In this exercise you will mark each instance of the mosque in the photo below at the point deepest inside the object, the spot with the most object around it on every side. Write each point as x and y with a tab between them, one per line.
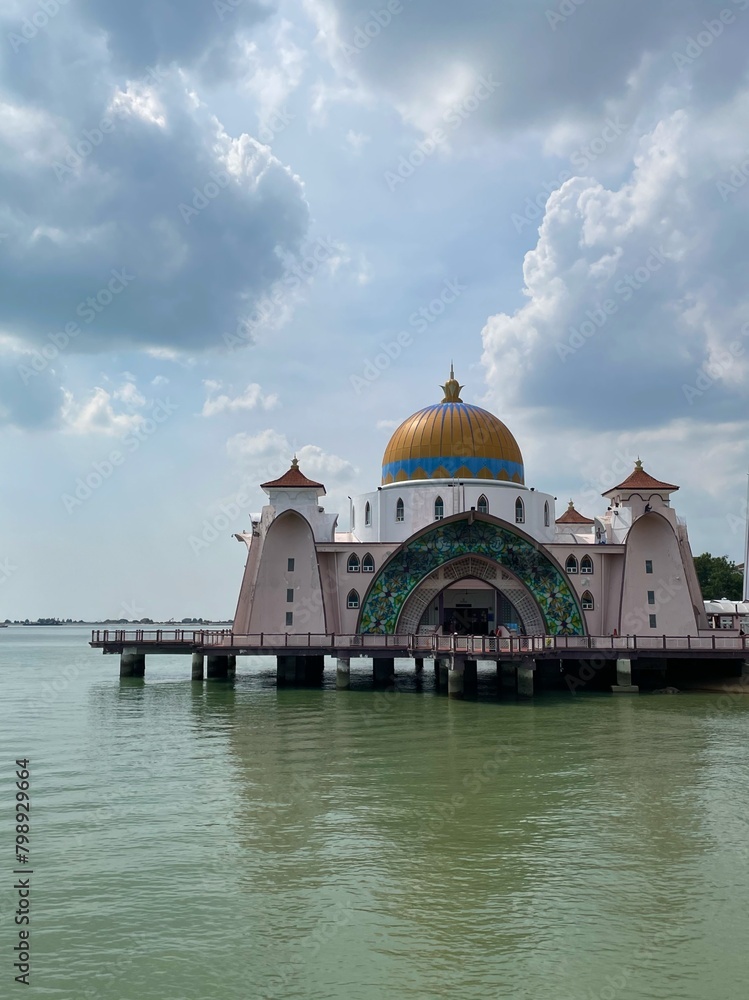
453	541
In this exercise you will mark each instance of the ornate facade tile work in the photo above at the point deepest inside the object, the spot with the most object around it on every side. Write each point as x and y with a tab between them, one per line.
419	557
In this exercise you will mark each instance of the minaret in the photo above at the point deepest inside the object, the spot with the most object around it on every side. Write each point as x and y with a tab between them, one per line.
746	546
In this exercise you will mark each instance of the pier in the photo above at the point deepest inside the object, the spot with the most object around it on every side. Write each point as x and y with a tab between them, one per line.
524	664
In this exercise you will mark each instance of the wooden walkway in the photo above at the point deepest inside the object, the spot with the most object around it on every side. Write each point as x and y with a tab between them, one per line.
224	642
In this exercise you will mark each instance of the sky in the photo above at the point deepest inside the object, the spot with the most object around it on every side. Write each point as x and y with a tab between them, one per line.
232	231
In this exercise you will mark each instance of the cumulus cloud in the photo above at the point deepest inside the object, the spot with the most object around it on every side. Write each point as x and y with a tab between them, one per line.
220	402
624	290
98	413
141	220
267	455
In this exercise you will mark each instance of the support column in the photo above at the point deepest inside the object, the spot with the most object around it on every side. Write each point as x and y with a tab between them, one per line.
471	677
217	668
285	670
198	666
132	664
383	671
343	673
419	664
526	669
456	679
442	670
313	668
624	683
506	678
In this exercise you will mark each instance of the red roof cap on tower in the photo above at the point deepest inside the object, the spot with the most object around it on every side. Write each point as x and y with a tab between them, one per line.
572	516
293	479
640	480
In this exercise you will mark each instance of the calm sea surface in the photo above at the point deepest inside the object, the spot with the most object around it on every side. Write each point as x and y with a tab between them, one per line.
213	842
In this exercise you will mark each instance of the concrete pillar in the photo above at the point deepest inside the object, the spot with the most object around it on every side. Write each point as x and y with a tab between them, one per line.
285	670
132	664
506	678
419	664
442	668
471	677
232	667
525	670
312	670
198	666
383	671
456	679
624	677
343	673
217	667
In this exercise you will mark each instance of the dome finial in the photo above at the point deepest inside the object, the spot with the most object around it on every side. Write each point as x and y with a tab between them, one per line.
638	464
295	462
452	388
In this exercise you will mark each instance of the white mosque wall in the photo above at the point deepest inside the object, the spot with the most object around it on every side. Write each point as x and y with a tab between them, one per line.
656	596
419	510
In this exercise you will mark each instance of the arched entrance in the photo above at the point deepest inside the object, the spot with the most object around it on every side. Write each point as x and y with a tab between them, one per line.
470	595
544	591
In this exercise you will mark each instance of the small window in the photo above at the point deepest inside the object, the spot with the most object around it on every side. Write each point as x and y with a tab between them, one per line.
519	511
400	512
586	565
588	602
547	517
648	565
289	617
367	564
651	597
483	505
367	515
653	622
571	565
290	596
353	599
290	566
353	563
439	509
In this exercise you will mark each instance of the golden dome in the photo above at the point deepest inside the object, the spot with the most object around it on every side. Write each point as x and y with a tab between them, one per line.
452	440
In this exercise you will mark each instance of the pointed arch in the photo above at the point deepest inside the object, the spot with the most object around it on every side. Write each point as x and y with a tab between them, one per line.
353	563
368	563
587	601
571	565
547	515
439	509
519	511
400	510
352	601
482	504
586	566
367	514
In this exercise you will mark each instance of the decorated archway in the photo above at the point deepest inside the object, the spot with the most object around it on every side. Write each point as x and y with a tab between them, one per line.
486	538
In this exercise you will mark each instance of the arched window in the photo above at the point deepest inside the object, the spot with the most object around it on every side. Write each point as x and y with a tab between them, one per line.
353	599
353	563
367	564
586	565
400	512
519	511
547	518
588	602
571	564
482	505
367	515
439	509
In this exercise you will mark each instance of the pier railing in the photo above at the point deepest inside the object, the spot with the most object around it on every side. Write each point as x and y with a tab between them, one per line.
415	645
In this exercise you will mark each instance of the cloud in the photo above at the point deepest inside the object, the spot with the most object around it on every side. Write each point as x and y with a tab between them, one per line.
267	455
97	414
252	398
146	224
634	280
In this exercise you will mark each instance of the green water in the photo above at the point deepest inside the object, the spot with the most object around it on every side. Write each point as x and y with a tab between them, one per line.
202	842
